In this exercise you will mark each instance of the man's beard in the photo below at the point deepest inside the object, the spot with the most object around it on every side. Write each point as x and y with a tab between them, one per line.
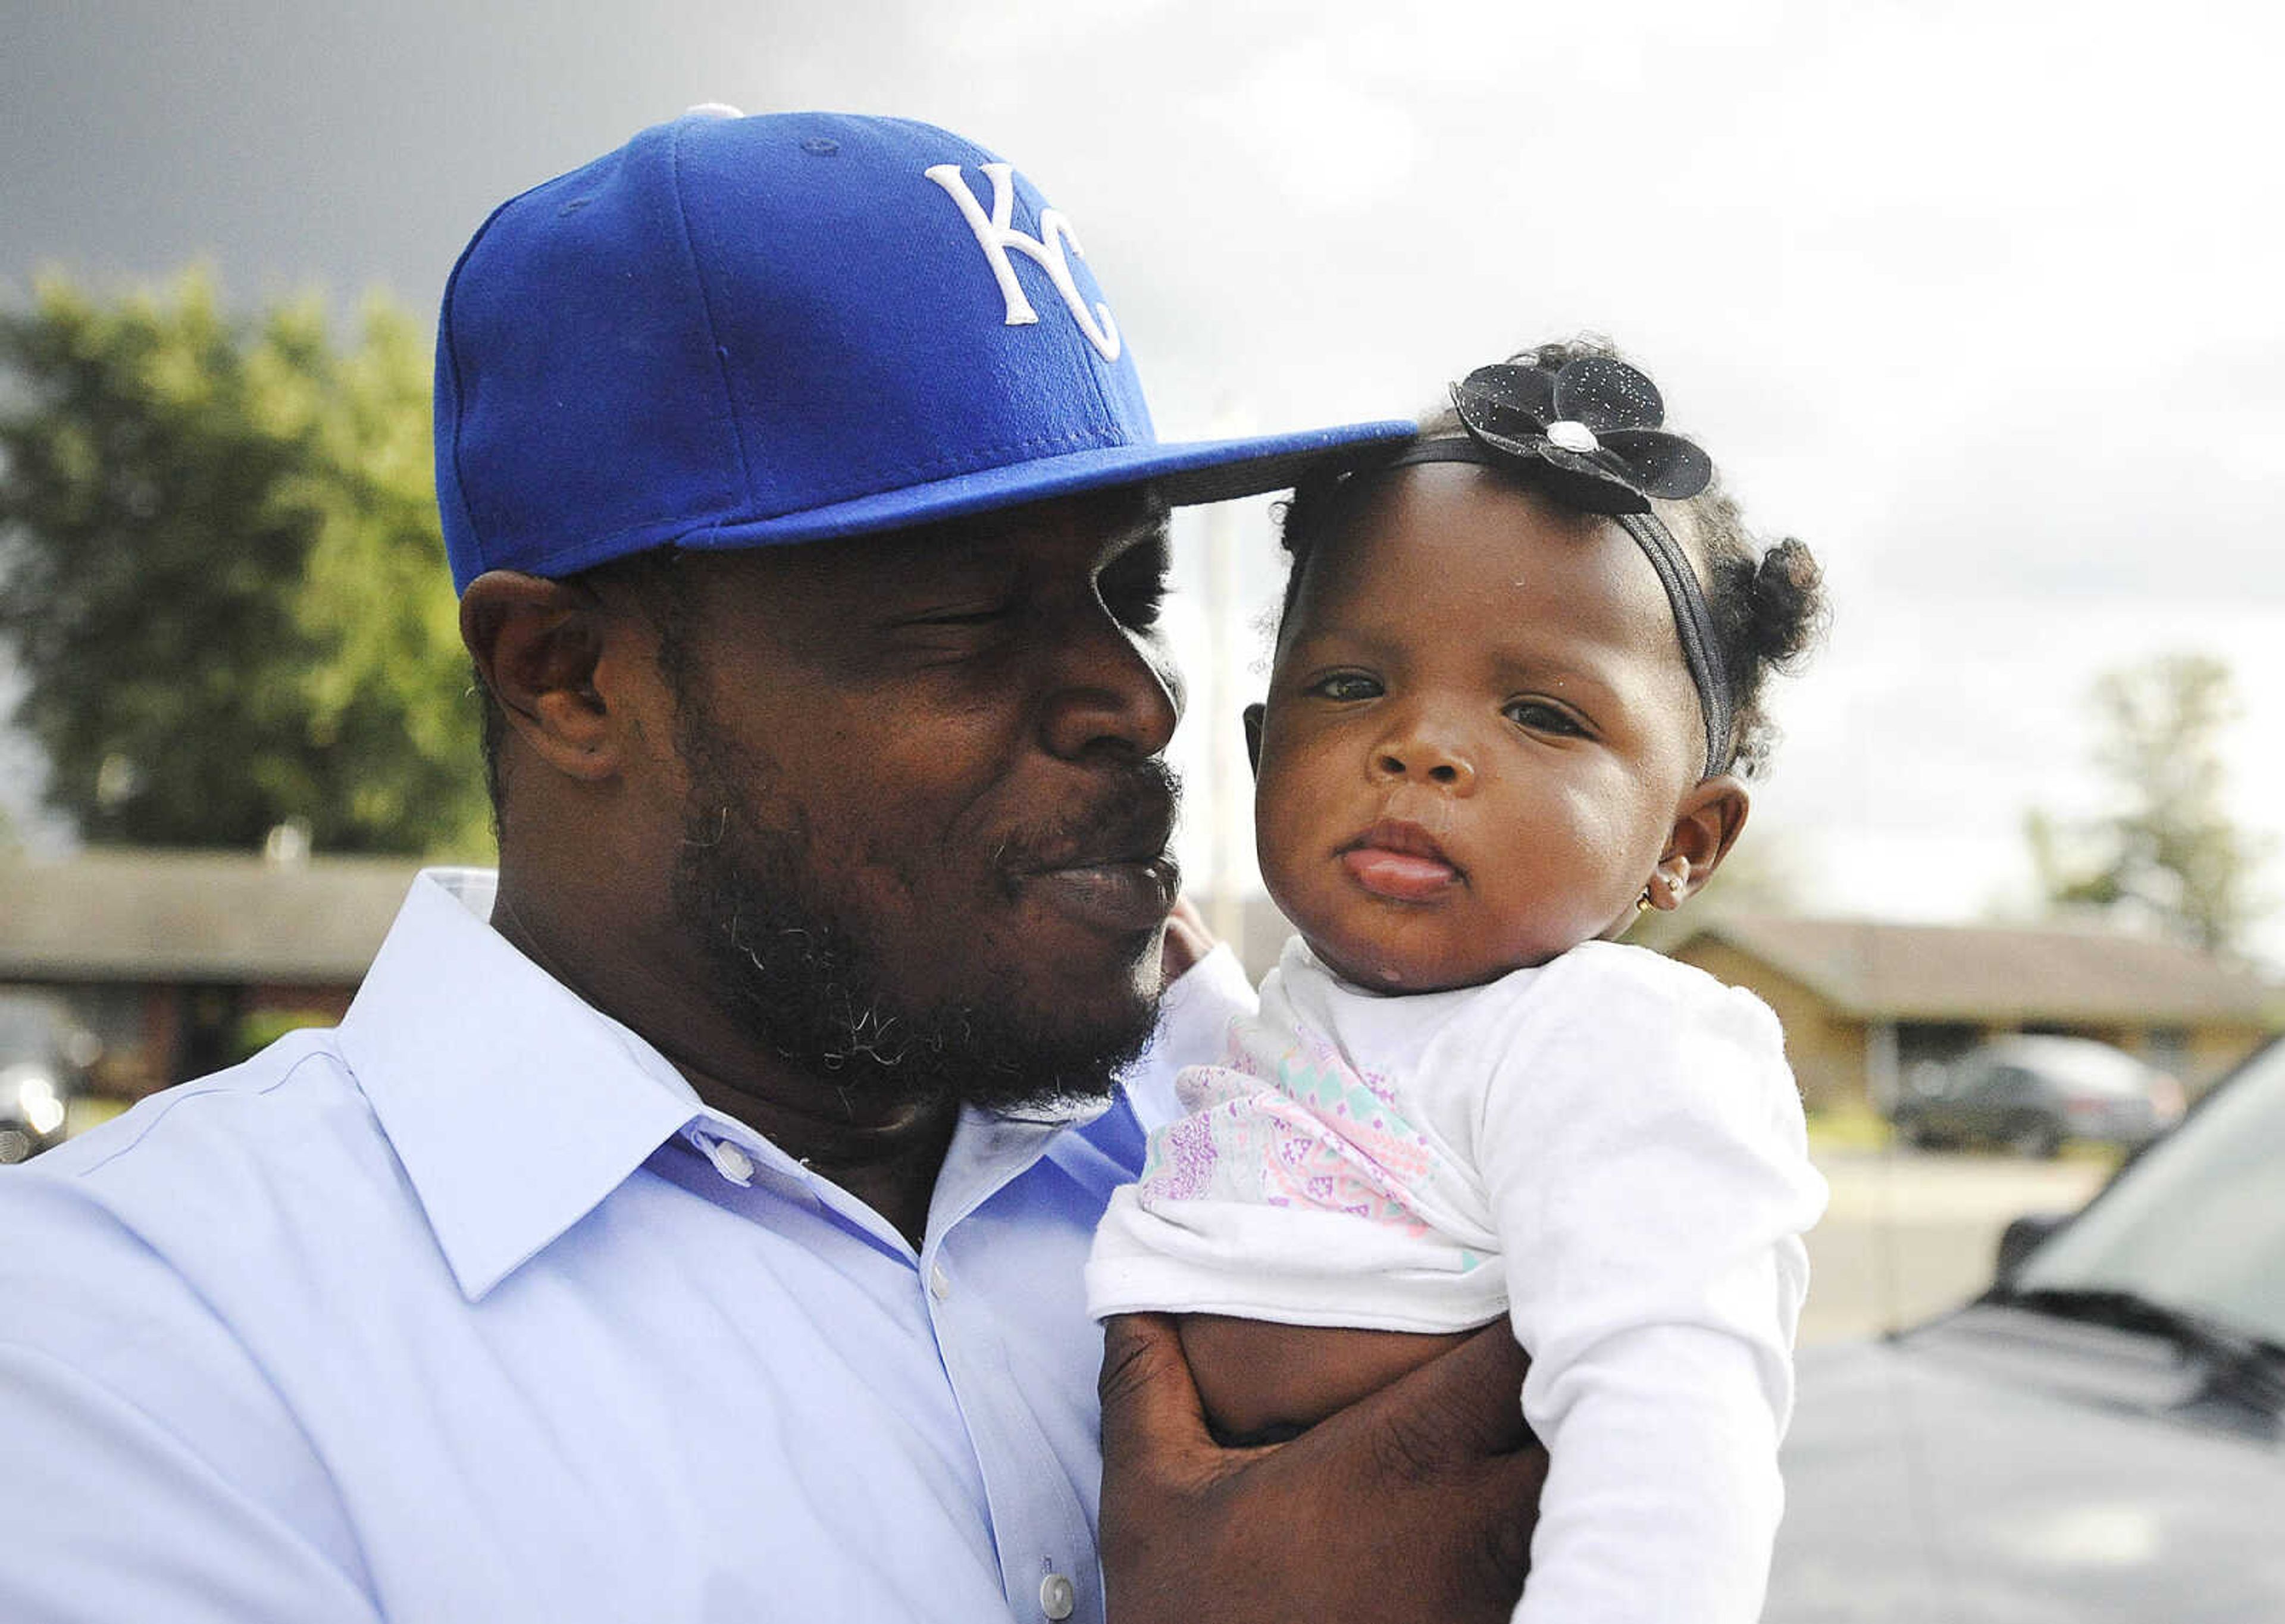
805	978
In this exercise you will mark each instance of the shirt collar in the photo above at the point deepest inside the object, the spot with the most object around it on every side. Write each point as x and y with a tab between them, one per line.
514	1106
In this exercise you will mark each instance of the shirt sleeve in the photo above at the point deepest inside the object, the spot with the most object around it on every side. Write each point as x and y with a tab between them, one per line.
147	1468
110	1516
1641	1143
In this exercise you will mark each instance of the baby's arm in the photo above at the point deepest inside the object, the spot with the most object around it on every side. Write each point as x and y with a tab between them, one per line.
1643	1146
1193	1029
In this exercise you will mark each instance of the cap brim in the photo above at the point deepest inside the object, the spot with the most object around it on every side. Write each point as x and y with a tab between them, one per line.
1182	474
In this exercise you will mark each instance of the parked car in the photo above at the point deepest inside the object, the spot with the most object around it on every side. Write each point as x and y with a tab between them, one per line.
2030	1093
2099	1436
43	1058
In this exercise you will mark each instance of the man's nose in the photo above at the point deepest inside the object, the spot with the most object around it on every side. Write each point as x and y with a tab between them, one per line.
1417	750
1112	690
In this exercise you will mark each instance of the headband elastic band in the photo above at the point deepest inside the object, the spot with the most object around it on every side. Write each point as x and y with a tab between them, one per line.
1693	619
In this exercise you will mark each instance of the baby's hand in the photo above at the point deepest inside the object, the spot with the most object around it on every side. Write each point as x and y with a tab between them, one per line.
1186	941
1417	1503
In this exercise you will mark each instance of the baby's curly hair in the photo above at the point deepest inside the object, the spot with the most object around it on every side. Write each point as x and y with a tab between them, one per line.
1769	603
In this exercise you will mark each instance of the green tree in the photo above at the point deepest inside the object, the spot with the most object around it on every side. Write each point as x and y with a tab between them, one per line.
2169	853
221	575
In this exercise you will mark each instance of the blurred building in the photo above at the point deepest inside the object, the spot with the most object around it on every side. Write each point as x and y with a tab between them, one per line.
1865	1004
181	962
178	962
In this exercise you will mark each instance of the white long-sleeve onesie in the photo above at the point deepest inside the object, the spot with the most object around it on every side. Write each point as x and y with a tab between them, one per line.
1611	1145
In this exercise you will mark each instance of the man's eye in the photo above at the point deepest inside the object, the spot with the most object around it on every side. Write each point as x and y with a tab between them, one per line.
1136	594
1540	717
1345	688
1137	607
981	615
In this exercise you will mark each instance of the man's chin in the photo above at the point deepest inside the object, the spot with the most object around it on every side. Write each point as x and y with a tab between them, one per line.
1005	1002
1101	953
1052	1021
1023	1053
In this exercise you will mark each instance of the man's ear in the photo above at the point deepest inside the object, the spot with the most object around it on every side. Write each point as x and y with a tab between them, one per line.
1706	825
1251	717
537	645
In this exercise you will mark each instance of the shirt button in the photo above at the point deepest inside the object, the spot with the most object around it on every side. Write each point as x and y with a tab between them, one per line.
1056	1596
732	1163
940	1287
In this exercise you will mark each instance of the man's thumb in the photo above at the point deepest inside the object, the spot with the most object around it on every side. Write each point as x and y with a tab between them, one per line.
1150	1403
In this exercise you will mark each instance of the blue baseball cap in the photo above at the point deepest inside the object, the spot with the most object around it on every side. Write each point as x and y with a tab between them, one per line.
739	331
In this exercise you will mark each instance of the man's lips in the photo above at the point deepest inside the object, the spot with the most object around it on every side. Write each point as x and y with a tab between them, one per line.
1119	897
1116	877
1400	861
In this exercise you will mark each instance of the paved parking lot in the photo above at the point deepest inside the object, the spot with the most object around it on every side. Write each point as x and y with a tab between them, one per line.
1911	1233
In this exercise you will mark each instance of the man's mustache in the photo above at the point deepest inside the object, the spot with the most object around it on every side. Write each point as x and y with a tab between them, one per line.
1129	819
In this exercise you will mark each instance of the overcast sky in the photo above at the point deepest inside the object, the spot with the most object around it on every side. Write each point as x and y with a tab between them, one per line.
1981	300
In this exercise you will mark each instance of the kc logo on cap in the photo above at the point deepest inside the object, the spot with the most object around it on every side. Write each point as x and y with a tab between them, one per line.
995	235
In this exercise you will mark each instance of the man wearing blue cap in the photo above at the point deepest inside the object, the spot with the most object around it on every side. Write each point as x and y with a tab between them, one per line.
688	1224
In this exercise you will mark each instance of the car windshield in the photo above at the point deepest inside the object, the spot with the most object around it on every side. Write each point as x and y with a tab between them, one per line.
2086	1068
2198	1223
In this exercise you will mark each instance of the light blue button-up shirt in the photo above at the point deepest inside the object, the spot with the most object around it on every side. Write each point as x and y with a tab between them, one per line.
470	1310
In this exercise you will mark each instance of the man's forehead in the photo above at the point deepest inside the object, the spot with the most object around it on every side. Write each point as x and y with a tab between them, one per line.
1083	532
1118	515
1097	525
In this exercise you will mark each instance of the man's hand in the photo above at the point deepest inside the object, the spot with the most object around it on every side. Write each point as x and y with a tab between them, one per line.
1417	1503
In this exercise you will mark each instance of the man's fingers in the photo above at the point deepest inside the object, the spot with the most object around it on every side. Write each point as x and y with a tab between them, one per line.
1417	1503
1150	1403
1493	1532
1463	1405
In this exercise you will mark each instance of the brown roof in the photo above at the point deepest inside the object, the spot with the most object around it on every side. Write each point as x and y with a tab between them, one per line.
1988	973
142	916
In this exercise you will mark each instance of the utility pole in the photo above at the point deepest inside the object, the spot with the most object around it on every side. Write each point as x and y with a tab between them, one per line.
1228	806
1229	790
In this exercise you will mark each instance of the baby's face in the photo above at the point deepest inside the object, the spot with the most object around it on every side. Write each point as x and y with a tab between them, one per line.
1480	729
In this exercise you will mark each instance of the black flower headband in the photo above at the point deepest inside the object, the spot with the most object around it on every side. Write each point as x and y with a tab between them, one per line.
1587	432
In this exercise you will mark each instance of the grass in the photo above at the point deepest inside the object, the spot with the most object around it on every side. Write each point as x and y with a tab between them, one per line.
1848	1127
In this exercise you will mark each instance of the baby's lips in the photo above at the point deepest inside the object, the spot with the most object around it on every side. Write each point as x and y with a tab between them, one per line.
1402	876
1405	835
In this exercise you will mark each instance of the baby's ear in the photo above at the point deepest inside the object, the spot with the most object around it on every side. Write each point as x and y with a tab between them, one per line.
1251	717
1706	825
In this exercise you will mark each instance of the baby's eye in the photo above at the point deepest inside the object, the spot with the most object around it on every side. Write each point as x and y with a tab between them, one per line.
1345	688
1541	717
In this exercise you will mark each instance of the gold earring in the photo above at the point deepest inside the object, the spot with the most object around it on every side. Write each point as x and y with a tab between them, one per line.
1672	882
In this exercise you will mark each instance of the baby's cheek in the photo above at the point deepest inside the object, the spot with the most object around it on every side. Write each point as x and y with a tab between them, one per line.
1288	817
